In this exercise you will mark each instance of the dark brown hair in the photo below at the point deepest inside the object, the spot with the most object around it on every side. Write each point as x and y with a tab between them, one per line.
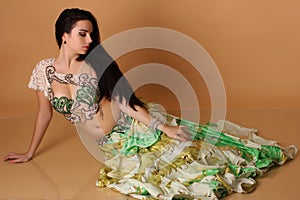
67	21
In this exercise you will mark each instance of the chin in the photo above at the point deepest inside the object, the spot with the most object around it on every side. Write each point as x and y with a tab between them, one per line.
82	53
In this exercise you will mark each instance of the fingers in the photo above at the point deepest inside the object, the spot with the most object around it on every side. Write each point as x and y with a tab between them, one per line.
183	134
8	156
186	133
11	158
180	137
15	158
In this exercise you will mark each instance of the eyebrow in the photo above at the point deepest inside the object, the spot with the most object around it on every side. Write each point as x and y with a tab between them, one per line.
84	30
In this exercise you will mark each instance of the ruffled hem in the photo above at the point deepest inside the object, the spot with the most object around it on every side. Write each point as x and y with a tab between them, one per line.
223	158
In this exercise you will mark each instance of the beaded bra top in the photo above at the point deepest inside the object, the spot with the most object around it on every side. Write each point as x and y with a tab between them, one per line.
85	98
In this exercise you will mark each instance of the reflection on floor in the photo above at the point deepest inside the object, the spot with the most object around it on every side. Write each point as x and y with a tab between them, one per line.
62	168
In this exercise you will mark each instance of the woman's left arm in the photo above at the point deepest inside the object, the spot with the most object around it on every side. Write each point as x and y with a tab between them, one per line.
143	116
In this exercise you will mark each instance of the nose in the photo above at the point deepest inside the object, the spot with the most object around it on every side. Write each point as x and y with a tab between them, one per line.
89	39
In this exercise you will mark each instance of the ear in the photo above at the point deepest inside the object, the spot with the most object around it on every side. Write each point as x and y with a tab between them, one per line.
65	36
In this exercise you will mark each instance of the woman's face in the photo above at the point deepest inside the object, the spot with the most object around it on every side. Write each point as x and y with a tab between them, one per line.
79	39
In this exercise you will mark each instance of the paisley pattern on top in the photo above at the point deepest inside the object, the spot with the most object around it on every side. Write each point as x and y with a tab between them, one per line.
84	105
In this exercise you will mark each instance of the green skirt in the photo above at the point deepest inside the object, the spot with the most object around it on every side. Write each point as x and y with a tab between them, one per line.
222	158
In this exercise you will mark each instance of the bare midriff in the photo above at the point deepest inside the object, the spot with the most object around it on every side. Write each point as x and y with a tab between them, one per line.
110	114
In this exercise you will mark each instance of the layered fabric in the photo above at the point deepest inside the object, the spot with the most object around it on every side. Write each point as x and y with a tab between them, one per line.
222	158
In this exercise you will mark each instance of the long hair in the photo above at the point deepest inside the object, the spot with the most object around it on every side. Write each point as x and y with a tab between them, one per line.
112	83
67	21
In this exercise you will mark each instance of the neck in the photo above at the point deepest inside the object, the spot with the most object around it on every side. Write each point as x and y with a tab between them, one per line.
66	58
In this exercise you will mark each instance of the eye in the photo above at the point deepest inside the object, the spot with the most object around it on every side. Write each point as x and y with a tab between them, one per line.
82	34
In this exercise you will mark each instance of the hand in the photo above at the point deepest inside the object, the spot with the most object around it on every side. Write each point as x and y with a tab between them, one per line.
178	132
17	158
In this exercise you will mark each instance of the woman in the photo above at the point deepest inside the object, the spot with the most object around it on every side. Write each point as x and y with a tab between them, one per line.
77	34
148	152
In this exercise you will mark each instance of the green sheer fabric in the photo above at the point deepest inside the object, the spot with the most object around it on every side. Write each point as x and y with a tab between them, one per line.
147	164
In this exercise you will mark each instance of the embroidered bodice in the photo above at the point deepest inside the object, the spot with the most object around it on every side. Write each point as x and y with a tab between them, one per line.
84	101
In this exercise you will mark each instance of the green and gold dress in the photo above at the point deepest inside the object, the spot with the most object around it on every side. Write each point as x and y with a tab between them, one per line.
222	158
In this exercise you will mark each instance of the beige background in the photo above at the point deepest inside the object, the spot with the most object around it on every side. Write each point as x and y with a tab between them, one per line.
255	45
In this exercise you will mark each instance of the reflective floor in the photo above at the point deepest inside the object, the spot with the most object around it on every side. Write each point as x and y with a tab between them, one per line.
63	169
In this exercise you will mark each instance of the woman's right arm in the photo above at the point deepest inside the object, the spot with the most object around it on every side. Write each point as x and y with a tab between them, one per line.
42	121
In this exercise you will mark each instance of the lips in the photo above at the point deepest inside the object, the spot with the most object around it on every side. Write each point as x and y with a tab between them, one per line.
86	47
